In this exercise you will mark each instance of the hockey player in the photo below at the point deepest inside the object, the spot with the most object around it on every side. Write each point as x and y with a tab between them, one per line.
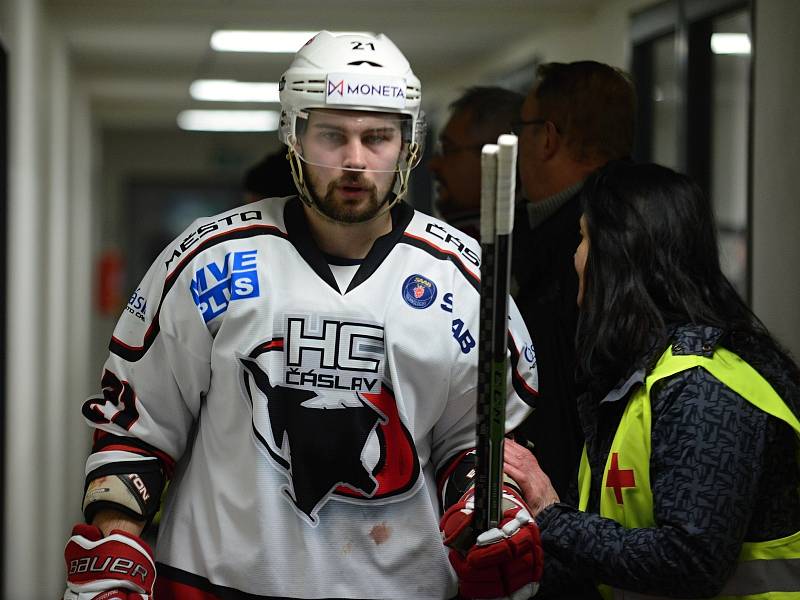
303	370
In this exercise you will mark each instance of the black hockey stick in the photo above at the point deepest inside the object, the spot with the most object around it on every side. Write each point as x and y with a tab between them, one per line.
498	182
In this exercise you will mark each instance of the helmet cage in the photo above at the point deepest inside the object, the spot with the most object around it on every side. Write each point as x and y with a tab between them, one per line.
377	132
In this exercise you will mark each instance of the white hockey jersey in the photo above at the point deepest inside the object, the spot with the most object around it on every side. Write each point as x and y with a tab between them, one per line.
306	425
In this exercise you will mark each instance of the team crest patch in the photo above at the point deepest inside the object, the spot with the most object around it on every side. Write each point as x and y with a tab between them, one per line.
419	291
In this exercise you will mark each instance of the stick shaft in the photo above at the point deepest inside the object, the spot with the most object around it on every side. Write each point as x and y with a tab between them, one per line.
485	330
493	331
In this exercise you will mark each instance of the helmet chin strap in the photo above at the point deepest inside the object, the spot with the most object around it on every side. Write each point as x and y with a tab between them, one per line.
403	175
297	174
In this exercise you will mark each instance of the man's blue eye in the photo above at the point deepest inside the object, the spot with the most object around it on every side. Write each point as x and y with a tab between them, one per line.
378	138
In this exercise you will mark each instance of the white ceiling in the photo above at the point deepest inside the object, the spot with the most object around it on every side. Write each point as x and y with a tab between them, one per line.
137	58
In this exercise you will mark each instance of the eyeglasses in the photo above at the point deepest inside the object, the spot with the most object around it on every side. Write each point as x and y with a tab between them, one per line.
518	124
445	148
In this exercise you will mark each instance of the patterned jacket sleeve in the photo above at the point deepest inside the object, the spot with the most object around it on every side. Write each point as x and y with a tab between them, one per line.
707	458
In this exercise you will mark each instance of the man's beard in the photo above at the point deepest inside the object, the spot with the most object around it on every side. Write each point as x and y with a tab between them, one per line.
343	211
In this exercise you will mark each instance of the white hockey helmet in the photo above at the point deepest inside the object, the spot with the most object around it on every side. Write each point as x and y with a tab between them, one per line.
355	73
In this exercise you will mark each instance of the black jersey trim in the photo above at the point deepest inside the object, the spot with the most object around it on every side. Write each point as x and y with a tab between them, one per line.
441	254
454	475
526	393
135	353
340	261
203	585
108	442
402	214
300	236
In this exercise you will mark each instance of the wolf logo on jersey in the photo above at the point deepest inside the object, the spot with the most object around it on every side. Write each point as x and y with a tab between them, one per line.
347	445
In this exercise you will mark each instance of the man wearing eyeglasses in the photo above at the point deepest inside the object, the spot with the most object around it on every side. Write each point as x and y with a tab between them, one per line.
478	116
577	117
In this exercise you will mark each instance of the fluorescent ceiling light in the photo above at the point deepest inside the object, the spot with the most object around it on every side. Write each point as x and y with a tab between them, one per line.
228	120
730	43
234	91
229	40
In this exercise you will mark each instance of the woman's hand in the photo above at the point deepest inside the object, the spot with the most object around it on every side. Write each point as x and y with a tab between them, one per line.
534	483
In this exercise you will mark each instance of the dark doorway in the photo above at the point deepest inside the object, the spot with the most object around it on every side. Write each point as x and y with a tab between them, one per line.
693	73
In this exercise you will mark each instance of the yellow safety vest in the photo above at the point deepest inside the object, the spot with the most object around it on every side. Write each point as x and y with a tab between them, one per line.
766	570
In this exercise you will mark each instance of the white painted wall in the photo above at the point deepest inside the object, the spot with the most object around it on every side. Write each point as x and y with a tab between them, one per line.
600	35
45	364
24	456
56	406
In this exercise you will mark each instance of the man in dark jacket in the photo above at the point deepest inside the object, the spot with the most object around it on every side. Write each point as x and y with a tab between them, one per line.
477	117
577	117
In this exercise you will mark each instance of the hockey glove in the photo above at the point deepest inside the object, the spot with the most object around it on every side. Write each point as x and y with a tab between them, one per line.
116	567
504	563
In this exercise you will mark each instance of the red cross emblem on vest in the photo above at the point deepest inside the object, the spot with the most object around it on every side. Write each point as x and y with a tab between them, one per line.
619	478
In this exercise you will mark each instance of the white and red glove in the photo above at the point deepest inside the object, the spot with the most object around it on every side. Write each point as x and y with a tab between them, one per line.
116	567
504	563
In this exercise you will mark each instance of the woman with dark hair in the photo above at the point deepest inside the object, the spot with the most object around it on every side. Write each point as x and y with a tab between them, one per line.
689	484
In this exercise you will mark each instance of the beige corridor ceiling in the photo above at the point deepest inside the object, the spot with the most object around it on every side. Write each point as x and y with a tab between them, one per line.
137	58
